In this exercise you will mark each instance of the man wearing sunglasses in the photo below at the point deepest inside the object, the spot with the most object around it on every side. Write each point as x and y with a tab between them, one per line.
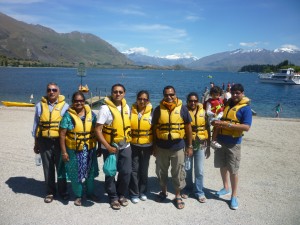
171	124
48	114
113	131
237	118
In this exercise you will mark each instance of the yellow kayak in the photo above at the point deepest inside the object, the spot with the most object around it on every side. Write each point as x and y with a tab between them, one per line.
17	104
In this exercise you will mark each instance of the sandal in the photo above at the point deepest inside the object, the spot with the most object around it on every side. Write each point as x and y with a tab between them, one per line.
48	198
161	197
202	199
77	202
123	201
185	196
115	205
179	204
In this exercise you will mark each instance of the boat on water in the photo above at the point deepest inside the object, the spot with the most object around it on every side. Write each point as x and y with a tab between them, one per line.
17	104
283	76
83	88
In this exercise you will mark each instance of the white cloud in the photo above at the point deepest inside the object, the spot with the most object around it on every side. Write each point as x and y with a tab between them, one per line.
192	18
249	44
289	46
180	56
131	10
139	50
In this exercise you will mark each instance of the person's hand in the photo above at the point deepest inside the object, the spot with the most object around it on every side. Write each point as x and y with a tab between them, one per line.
65	157
189	151
154	151
112	150
99	152
207	152
36	148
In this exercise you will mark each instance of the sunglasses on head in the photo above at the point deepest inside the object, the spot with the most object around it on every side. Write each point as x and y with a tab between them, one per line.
52	89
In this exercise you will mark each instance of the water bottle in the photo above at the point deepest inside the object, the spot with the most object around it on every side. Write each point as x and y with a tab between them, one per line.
38	159
187	163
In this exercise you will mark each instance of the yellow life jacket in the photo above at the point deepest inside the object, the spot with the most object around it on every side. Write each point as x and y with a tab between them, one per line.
199	123
49	122
170	124
82	133
229	114
119	130
141	129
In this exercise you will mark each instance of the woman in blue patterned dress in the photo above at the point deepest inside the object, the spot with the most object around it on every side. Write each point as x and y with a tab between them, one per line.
78	147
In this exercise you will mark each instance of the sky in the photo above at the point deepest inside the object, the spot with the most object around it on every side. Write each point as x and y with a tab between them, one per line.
170	28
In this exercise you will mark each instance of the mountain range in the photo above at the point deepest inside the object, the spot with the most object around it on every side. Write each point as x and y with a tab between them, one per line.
35	42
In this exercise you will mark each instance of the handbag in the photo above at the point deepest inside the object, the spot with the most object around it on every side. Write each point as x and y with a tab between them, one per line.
110	165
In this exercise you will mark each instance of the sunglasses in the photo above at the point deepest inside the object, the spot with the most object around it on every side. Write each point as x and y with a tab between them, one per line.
171	95
118	92
195	101
78	101
143	99
52	89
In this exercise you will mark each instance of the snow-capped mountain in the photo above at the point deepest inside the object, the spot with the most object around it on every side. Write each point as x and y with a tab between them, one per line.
224	61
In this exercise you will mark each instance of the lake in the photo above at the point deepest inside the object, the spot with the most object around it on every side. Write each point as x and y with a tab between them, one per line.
17	84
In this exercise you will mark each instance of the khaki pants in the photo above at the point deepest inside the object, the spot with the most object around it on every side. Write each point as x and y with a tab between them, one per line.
164	158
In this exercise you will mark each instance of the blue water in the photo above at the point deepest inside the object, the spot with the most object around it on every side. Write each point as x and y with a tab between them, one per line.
17	84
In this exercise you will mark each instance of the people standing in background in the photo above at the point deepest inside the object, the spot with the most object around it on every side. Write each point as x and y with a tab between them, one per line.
141	145
171	124
227	95
236	119
78	147
278	109
113	131
48	114
201	148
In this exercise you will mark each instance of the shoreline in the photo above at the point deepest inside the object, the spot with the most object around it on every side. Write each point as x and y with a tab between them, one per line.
269	183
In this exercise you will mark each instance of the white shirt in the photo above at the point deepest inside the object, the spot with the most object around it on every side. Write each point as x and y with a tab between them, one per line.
105	117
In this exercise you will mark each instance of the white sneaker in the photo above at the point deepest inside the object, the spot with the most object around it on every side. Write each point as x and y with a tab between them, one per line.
143	197
215	144
135	200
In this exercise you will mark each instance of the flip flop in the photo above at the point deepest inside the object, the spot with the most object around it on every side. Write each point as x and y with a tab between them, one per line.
185	196
48	198
123	201
202	199
77	202
115	205
179	204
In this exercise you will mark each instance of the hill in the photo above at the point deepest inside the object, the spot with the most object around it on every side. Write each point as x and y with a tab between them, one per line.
38	43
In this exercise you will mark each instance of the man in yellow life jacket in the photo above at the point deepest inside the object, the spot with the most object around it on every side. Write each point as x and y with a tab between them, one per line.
237	118
113	131
48	114
171	123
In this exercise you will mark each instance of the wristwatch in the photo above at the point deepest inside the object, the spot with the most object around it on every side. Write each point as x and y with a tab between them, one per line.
190	146
229	125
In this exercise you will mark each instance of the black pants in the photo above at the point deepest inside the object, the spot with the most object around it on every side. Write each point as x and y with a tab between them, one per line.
113	188
50	154
139	176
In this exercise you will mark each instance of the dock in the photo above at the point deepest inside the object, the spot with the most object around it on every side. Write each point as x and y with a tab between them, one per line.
94	100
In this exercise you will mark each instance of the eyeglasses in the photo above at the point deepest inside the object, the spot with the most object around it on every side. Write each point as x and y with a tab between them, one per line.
236	93
171	95
143	99
118	92
78	101
195	101
52	89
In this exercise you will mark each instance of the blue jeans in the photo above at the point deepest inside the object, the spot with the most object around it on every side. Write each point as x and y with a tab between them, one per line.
197	160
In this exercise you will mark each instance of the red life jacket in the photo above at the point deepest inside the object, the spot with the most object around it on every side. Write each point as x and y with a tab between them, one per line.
217	105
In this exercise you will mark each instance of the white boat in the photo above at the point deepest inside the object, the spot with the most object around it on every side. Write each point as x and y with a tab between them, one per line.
283	76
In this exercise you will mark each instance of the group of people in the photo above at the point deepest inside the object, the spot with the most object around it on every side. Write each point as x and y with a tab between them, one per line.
70	138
